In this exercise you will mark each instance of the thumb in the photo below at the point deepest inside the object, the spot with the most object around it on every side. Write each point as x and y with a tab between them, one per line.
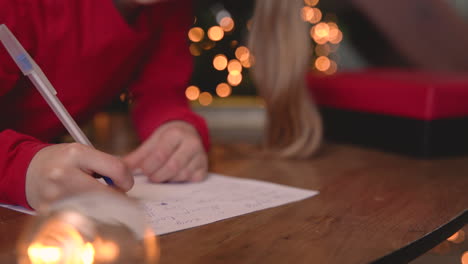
106	165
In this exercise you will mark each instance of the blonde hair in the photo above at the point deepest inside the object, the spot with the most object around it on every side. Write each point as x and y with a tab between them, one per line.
281	48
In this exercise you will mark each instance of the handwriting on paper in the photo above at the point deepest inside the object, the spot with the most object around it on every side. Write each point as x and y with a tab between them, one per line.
173	207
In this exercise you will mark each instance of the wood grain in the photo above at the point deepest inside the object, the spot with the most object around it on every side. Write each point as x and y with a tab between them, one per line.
370	203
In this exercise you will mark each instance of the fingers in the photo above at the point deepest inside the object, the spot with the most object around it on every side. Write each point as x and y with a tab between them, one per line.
173	152
195	171
153	153
89	159
174	164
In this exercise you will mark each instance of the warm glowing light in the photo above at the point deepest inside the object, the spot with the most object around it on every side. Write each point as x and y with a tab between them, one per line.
220	62
307	13
338	38
41	254
322	50
322	30
223	90
464	258
322	63
108	251
196	34
247	63
332	69
227	24
192	92
453	237
242	53
195	49
458	237
205	98
234	67
311	2
87	254
316	17
234	80
216	33
320	33
311	15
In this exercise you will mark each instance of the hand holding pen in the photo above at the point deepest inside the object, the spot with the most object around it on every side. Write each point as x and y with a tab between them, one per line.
65	168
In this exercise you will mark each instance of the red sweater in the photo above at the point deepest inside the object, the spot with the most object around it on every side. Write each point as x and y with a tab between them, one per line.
90	55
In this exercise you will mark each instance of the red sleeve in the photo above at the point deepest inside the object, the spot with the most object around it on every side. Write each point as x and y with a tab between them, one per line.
16	150
159	94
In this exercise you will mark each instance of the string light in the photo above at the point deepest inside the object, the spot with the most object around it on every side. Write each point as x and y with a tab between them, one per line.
322	63
220	62
338	38
234	80
316	17
192	92
196	34
464	258
311	2
195	50
227	24
223	90
205	99
215	33
234	67
248	63
242	53
307	13
332	69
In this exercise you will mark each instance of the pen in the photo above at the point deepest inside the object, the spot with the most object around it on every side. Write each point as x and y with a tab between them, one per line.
30	69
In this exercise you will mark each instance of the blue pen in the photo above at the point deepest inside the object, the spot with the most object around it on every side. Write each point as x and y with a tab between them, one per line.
30	69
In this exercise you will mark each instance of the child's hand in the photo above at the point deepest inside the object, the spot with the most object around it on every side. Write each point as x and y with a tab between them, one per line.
62	170
174	152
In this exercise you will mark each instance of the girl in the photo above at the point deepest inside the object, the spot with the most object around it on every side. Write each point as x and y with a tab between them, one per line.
92	50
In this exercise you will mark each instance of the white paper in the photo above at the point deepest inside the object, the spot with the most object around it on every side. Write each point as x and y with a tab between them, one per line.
174	207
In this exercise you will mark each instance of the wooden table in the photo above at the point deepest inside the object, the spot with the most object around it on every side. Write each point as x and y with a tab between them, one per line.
370	204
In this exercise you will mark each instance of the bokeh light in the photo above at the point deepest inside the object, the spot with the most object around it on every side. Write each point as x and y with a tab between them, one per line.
332	69
464	258
195	49
220	62
234	80
242	53
458	237
196	34
234	67
322	30
307	13
223	90
192	92
205	99
322	63
248	63
316	17
311	2
227	24
338	38
215	33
